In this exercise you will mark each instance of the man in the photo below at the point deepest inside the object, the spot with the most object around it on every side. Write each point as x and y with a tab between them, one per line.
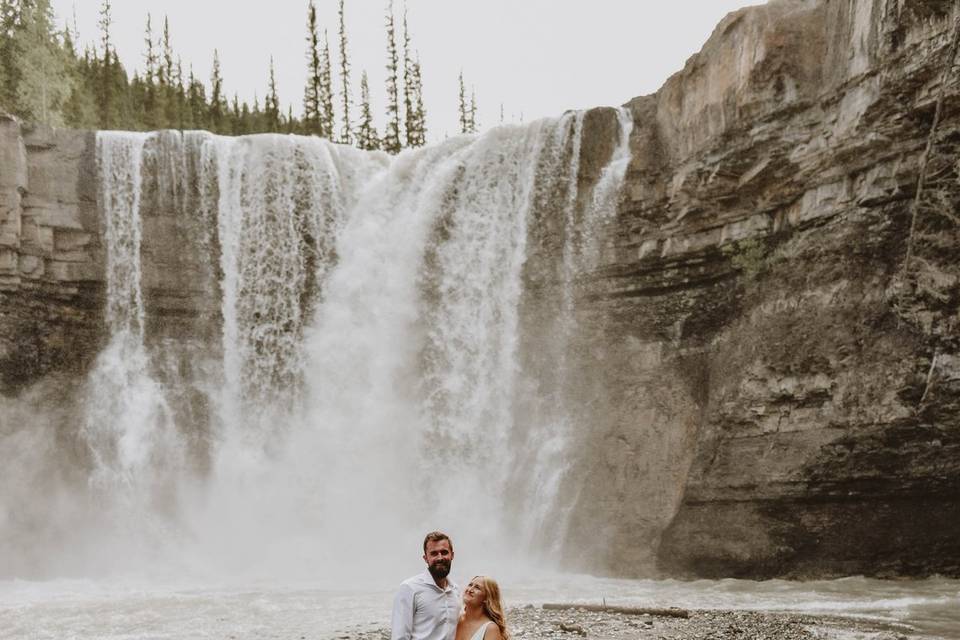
427	605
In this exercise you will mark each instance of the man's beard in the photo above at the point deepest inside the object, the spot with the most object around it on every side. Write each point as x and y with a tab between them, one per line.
440	569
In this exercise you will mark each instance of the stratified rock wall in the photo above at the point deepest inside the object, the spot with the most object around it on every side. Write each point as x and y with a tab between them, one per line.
776	396
50	254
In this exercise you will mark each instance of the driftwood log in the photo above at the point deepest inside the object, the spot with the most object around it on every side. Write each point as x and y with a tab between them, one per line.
672	612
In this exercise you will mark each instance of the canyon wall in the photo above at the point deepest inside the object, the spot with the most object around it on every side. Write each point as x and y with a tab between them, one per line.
760	388
51	257
772	394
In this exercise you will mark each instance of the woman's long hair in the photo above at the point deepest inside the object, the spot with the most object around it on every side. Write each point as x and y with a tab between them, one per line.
491	604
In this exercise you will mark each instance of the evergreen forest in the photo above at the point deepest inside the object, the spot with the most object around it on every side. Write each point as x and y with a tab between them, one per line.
46	79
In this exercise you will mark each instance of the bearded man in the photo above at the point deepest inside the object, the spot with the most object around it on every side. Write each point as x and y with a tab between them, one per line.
427	605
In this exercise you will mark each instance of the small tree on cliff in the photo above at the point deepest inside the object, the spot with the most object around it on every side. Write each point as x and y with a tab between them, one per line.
464	109
169	80
391	135
415	115
197	102
473	111
367	137
217	102
106	97
326	91
271	104
152	112
346	131
311	93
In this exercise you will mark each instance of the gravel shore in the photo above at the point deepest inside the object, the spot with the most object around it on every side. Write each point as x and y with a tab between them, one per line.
534	623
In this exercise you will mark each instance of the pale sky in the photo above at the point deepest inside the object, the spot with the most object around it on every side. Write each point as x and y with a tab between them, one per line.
536	57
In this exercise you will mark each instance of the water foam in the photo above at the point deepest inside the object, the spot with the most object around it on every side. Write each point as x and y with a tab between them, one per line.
366	380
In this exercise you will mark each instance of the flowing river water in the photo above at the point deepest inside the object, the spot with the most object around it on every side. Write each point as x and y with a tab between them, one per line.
363	385
128	609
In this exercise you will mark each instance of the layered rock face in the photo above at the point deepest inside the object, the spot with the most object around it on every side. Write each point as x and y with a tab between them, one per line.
771	393
50	254
760	387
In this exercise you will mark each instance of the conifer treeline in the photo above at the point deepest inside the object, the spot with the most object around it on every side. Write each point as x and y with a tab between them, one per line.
44	78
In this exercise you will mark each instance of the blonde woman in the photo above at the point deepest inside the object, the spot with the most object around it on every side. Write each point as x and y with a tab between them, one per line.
482	617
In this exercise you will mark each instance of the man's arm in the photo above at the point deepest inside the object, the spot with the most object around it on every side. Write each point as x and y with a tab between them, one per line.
401	622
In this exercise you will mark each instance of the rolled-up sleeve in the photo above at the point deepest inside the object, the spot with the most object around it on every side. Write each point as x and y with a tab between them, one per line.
401	622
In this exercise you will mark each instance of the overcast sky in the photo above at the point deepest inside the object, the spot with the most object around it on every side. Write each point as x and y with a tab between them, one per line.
535	57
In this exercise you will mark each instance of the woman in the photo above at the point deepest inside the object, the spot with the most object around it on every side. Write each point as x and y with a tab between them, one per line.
482	617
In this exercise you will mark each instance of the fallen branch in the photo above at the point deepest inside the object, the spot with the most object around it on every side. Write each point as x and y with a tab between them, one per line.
926	387
672	612
921	174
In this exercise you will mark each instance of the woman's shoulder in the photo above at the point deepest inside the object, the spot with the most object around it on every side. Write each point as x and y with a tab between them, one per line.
492	631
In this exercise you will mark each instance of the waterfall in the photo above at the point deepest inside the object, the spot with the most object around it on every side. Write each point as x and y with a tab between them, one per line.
127	427
119	158
606	193
545	455
366	382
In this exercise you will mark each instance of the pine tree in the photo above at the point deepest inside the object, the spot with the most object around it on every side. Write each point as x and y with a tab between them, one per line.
367	137
124	114
326	92
245	119
105	97
412	91
168	87
346	131
8	54
197	102
186	112
80	110
256	116
473	111
271	104
38	68
417	120
464	108
391	135
6	58
236	123
311	93
179	99
216	95
152	115
291	122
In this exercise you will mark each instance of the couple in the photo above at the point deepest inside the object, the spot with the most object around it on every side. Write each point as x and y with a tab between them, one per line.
428	607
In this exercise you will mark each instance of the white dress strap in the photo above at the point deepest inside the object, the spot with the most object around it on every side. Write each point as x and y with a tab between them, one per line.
478	634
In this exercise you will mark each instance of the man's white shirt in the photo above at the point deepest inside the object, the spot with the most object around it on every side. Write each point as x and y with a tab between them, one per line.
424	611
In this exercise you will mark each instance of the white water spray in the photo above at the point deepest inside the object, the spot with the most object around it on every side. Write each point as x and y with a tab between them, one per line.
369	346
134	448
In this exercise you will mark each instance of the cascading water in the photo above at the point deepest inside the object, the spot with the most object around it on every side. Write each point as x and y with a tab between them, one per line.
128	427
280	206
369	372
545	455
606	194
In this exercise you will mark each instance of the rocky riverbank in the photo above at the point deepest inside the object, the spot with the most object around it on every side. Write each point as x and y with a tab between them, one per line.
535	623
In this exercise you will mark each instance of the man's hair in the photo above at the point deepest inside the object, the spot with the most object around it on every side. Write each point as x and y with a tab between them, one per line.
436	536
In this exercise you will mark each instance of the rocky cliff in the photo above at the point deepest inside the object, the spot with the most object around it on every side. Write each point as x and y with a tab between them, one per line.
763	388
51	259
777	394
